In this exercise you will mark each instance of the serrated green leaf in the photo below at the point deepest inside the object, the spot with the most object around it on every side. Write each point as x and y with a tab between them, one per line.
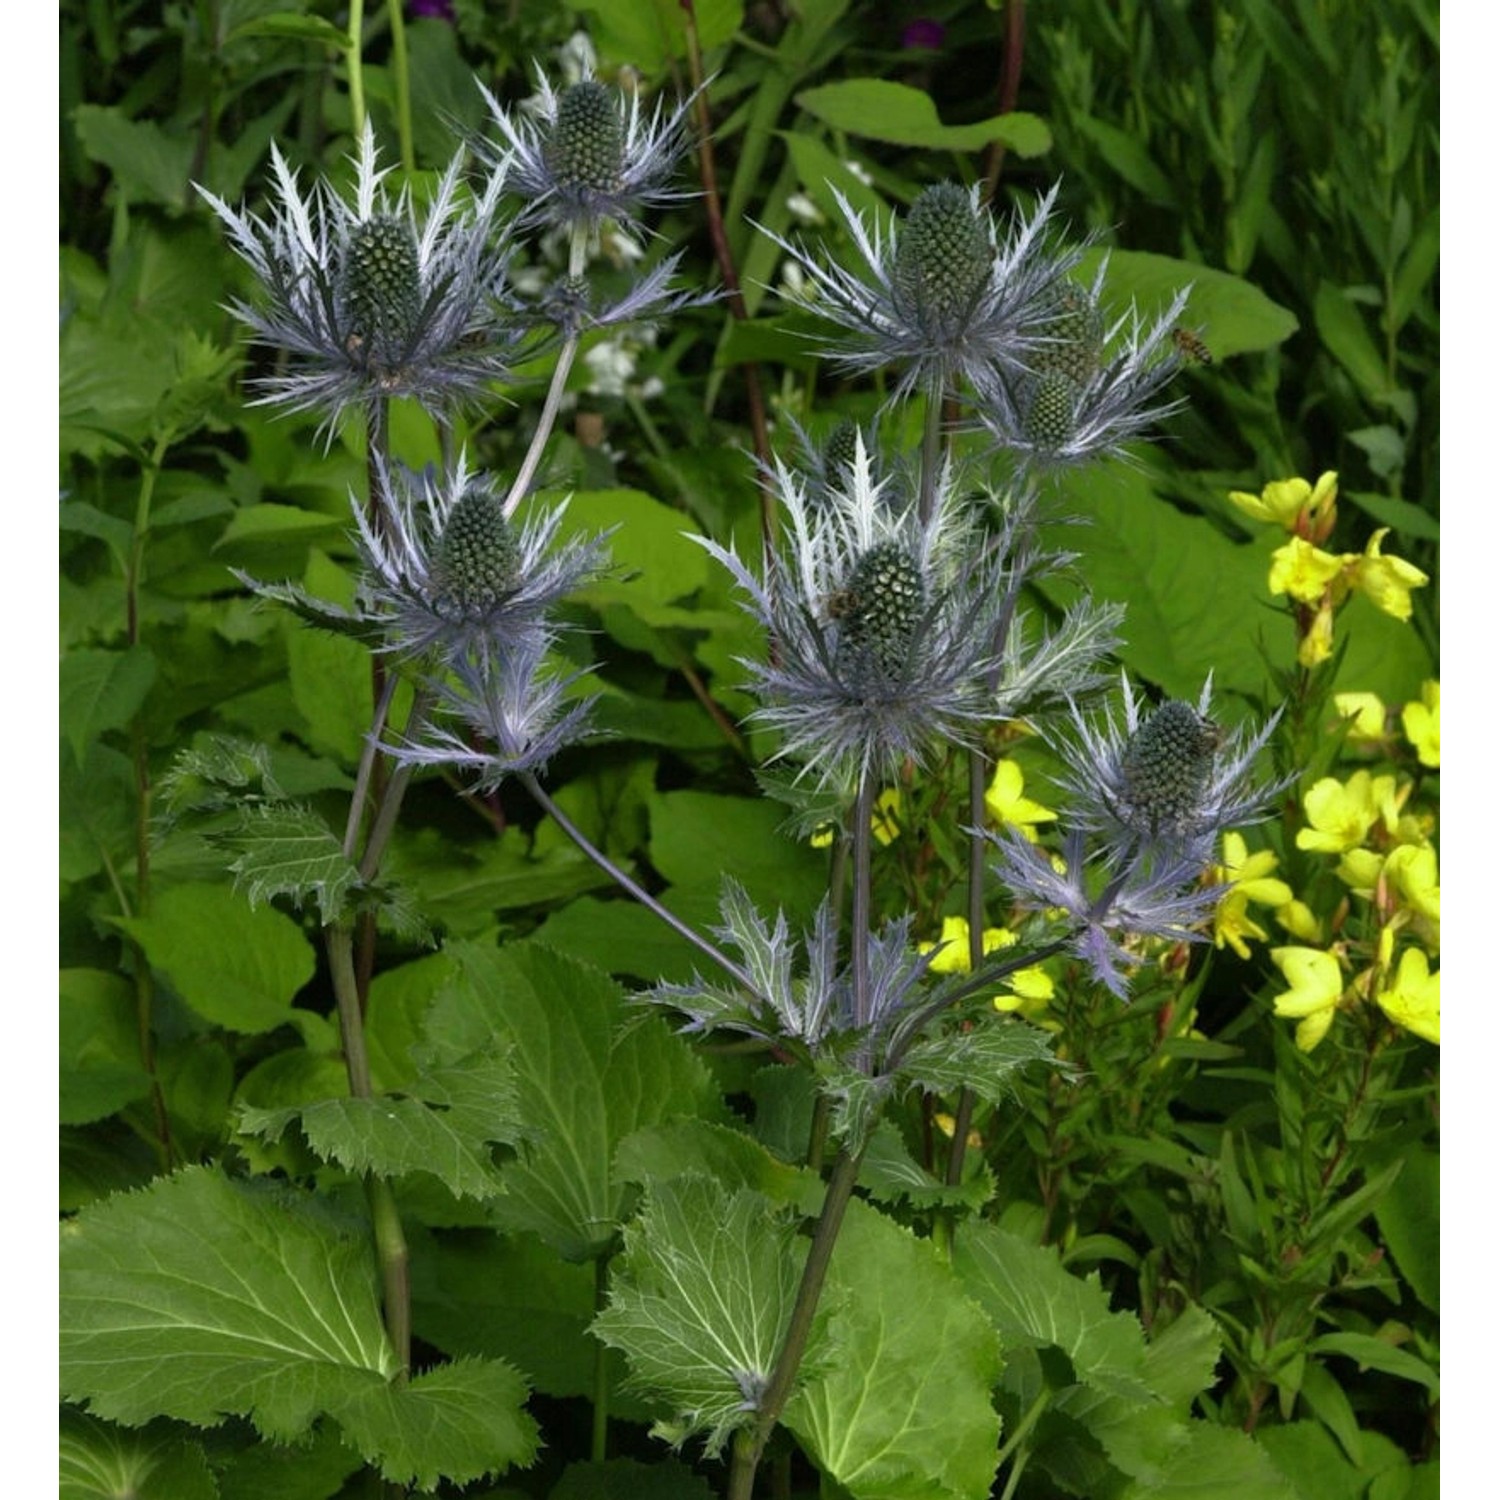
88	520
1311	1461
620	937
893	1175
458	1422
652	561
902	1406
700	1302
583	1083
984	1059
199	1297
729	1156
882	110
290	851
98	1461
1036	1304
236	966
444	1128
148	164
1212	1462
99	1048
101	690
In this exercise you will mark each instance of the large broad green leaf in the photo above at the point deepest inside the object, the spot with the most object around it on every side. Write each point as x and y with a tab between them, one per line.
97	1461
696	836
444	1126
583	1083
314	1468
237	966
621	937
458	1422
902	1405
1211	1462
700	1302
1235	316
290	851
650	33
331	684
102	690
729	1156
99	1047
1035	1303
652	560
886	111
200	1298
148	164
1408	1218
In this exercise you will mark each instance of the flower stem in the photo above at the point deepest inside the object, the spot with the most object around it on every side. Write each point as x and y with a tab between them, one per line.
354	60
633	887
964	1110
599	1442
401	69
751	1444
859	917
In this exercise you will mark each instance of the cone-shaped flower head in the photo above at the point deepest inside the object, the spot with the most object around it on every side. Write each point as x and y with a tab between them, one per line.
1088	387
944	296
589	153
371	298
883	629
1163	784
448	571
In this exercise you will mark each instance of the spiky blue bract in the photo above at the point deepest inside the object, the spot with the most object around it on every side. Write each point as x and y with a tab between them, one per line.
1083	395
406	546
1103	779
590	152
512	710
856	686
372	298
968	329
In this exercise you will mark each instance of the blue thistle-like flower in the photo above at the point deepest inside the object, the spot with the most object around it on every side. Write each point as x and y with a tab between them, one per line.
370	298
942	295
1163	784
446	570
590	152
1087	389
883	628
511	709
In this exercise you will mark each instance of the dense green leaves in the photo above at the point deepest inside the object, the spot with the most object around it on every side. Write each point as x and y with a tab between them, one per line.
889	111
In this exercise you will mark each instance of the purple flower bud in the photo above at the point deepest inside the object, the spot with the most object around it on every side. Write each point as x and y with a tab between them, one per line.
924	33
435	10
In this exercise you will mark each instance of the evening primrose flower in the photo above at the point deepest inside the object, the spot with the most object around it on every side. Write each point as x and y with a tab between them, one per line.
1411	875
1317	986
885	822
1304	571
1248	878
1411	1000
951	951
369	298
1293	504
1386	581
944	295
1340	815
1419	720
1005	803
1365	715
1299	919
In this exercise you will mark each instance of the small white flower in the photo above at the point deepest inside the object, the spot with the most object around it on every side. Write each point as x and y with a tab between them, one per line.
610	366
804	210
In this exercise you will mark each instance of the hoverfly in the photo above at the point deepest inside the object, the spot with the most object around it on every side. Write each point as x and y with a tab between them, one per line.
1190	346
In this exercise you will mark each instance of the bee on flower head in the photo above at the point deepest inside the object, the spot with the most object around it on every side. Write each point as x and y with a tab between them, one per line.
1191	347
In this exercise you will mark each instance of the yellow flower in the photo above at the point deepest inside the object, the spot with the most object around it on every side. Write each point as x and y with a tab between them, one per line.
1249	879
1030	991
1420	722
884	822
1316	645
1286	501
1298	919
1388	581
1360	869
1368	714
1317	986
1303	571
954	956
1412	1001
1341	814
1411	875
1006	804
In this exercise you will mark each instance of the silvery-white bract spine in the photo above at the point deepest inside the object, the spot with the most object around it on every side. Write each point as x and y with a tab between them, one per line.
841	715
650	147
1117	399
880	327
398	545
448	347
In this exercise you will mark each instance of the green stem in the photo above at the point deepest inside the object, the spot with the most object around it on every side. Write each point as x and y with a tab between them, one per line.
401	69
964	1111
354	60
1017	1438
932	442
859	917
750	1445
599	1444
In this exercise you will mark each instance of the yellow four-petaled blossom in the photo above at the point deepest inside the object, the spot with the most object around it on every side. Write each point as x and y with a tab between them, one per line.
1006	804
1317	986
1387	581
1303	571
1285	502
1411	1000
1419	720
1341	814
1367	714
1249	878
